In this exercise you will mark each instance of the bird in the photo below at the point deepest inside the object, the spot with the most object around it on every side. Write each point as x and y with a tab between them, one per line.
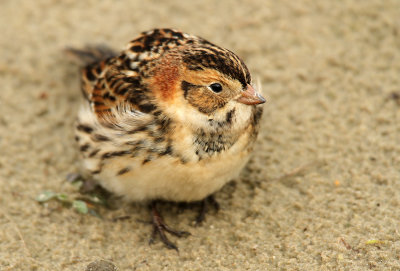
172	117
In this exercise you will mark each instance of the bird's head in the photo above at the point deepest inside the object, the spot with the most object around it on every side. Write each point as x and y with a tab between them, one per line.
197	82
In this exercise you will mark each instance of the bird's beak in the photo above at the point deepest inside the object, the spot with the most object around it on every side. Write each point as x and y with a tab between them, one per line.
250	96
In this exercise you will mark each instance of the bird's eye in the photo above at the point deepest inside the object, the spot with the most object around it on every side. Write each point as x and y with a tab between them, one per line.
216	87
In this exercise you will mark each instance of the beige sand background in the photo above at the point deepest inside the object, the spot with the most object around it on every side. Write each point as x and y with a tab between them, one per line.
322	191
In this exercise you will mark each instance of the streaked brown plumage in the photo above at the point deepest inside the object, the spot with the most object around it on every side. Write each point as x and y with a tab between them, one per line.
172	117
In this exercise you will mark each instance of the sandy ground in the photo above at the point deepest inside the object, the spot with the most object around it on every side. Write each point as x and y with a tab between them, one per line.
322	191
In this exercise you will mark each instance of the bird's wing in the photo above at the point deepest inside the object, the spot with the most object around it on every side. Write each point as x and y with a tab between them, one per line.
111	82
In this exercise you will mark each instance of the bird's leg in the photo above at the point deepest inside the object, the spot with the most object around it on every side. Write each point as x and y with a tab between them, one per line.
202	213
204	208
213	202
159	227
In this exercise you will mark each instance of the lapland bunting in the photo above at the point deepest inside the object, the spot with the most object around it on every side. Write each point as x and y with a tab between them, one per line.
172	117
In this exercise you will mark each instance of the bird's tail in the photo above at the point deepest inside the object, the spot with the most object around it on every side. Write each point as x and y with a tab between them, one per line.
90	54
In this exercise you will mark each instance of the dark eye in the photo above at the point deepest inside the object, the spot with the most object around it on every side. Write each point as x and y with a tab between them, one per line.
216	87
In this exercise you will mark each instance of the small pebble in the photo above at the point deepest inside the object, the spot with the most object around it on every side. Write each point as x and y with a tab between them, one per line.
101	265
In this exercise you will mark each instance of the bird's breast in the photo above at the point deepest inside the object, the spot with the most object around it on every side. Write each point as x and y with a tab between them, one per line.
171	178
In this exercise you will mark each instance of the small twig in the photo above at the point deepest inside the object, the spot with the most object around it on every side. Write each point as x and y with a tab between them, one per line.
347	246
294	172
345	243
18	232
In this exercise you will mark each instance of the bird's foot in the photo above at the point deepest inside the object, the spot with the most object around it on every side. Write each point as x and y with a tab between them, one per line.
160	227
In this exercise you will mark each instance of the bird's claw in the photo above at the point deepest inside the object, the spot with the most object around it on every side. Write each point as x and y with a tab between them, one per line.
160	227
